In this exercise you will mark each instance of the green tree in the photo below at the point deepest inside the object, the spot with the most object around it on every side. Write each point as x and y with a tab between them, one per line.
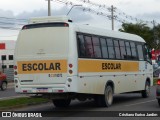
142	30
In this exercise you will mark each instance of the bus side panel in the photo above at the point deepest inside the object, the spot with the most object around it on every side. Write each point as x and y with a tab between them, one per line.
94	74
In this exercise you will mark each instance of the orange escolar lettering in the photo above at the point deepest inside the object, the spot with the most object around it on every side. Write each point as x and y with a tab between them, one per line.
41	66
111	66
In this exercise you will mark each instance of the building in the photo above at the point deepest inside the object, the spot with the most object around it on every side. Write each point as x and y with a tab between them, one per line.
7	56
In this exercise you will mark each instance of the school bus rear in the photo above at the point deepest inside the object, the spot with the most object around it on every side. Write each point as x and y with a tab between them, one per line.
41	58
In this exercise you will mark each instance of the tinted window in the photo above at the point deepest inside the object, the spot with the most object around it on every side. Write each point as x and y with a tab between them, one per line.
81	46
110	48
96	47
89	47
122	49
140	52
133	50
117	50
104	48
128	50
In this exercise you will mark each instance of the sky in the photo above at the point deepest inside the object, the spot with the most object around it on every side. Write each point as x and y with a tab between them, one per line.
125	10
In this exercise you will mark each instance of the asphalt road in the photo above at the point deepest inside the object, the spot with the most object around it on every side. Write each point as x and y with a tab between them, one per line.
9	93
122	103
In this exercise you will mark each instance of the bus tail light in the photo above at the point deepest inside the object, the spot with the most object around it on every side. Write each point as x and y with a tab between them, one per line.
158	82
70	65
70	71
15	67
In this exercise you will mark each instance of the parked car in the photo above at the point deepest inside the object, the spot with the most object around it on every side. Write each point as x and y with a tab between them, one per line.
155	66
156	72
158	91
3	81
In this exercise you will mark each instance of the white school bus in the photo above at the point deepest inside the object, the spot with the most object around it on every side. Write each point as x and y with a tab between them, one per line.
63	61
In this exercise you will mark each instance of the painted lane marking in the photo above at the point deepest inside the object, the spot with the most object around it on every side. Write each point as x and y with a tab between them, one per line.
140	103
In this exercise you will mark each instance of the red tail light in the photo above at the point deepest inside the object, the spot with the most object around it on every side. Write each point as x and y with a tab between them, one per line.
15	67
70	65
158	82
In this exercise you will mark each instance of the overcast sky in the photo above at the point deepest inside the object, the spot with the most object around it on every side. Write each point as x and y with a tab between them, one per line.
146	10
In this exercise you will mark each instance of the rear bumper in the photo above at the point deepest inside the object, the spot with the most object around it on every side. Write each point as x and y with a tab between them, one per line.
39	89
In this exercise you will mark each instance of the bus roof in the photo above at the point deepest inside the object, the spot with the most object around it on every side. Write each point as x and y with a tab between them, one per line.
87	28
108	33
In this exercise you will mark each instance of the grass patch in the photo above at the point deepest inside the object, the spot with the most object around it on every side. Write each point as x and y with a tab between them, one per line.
18	102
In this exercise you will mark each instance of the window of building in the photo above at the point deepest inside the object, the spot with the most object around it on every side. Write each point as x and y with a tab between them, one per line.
10	57
4	66
104	48
96	47
3	57
10	66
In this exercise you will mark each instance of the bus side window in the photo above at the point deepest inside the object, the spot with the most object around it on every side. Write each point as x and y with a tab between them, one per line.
81	46
133	50
140	52
104	48
97	47
122	49
117	50
89	47
128	50
110	48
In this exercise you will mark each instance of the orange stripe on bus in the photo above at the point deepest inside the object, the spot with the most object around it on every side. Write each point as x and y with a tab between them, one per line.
107	66
42	66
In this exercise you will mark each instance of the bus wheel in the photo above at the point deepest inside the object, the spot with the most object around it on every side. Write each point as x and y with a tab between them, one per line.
62	102
146	92
106	99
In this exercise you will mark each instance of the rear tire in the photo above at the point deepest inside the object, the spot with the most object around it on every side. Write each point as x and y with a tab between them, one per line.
146	92
105	100
61	102
4	86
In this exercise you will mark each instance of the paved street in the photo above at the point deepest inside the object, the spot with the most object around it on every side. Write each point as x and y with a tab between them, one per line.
122	103
9	93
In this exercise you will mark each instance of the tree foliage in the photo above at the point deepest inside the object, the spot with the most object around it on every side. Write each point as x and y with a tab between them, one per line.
147	33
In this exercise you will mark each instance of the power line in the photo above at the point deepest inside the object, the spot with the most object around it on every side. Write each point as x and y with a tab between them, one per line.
9	36
13	19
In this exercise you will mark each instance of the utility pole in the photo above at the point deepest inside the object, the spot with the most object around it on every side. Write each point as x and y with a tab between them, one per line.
112	10
49	7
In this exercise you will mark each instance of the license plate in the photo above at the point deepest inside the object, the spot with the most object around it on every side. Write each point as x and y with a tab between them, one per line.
42	90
